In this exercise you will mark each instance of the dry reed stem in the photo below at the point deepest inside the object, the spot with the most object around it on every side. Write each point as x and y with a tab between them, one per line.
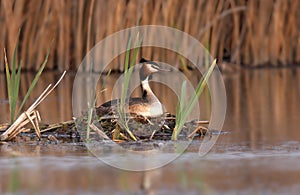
29	116
53	138
124	137
202	131
97	130
152	135
4	126
18	126
56	126
251	32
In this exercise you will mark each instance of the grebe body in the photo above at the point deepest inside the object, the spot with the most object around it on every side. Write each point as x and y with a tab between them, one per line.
148	105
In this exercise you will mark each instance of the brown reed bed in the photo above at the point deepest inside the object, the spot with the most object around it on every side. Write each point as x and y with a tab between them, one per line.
252	33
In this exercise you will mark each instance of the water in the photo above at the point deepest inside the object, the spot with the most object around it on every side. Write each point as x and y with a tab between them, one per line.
258	154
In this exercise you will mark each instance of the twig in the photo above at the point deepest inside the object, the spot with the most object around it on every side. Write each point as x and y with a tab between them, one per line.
151	137
55	126
30	115
97	130
199	129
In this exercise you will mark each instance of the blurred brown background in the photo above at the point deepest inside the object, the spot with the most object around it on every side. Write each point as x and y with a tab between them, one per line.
244	32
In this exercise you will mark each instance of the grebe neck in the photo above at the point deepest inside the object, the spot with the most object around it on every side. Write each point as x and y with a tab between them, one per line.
147	92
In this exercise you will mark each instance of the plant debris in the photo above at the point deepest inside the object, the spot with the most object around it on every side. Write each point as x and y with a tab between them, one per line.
144	130
29	116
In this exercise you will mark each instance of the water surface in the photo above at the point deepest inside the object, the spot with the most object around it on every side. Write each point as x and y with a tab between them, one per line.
258	154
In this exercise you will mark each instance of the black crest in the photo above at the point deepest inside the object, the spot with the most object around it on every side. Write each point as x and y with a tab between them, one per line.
142	60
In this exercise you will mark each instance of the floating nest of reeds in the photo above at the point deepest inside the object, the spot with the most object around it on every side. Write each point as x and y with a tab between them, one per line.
142	128
108	127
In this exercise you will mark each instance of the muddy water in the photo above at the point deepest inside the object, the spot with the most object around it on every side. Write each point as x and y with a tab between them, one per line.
259	154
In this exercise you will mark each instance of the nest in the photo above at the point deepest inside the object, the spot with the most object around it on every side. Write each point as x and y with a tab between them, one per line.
139	128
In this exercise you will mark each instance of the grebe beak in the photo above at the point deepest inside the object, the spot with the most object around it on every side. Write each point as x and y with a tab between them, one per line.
163	70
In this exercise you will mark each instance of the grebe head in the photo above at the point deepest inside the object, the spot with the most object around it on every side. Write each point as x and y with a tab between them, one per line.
148	68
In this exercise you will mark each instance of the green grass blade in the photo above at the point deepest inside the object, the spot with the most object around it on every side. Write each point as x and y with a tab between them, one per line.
89	122
18	78
136	50
122	119
8	79
200	88
36	78
127	75
179	111
184	112
181	101
128	69
14	97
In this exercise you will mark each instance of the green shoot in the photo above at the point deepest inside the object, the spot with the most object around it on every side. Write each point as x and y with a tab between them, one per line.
91	105
13	83
34	82
183	112
180	106
127	76
89	122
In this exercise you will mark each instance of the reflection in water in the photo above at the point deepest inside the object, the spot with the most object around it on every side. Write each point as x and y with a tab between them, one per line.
259	154
263	105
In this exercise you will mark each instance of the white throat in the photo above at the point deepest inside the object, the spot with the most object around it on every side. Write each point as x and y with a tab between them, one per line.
156	106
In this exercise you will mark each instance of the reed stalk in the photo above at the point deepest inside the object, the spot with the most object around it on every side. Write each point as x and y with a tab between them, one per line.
182	112
13	80
252	33
128	68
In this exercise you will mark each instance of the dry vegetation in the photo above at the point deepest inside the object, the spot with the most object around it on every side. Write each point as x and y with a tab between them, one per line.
247	32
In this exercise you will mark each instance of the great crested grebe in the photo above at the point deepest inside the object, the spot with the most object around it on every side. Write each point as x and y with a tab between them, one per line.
148	105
